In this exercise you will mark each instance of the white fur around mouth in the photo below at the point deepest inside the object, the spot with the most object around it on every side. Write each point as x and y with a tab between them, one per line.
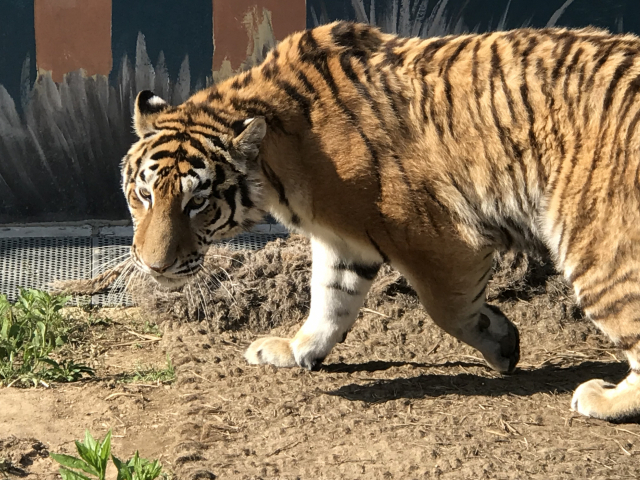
170	283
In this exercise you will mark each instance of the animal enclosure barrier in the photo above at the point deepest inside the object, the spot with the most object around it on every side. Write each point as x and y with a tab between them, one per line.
33	257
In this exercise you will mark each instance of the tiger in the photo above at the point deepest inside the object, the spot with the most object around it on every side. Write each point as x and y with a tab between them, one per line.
429	155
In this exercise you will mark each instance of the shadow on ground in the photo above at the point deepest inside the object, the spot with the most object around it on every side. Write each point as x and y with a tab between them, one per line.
547	379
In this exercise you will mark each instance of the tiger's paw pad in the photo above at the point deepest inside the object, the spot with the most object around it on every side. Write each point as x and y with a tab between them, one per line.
271	350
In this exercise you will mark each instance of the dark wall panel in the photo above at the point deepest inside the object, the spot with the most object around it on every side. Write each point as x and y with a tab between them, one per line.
17	43
176	28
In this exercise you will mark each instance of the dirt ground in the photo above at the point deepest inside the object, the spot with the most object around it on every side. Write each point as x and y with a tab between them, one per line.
399	399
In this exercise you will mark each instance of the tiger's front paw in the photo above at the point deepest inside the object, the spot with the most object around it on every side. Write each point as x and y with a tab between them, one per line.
283	352
606	401
272	350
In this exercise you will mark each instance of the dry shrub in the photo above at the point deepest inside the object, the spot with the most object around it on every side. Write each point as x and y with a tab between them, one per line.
241	289
263	289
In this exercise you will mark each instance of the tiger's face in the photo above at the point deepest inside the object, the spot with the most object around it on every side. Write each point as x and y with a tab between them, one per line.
187	184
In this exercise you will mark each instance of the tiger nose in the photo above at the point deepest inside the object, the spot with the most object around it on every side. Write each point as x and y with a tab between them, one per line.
160	267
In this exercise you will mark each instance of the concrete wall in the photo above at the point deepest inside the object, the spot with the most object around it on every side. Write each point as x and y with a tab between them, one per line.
70	69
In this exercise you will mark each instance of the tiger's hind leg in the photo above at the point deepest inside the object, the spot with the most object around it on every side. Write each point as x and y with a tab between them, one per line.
341	277
453	293
609	292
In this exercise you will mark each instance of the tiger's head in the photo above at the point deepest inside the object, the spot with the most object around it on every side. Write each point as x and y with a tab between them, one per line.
188	182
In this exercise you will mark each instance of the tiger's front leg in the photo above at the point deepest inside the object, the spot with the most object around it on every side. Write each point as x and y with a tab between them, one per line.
610	295
607	401
341	277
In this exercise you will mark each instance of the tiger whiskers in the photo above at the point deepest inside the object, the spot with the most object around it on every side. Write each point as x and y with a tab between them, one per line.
96	284
210	275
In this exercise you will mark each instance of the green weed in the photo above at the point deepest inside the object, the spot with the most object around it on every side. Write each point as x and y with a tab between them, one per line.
150	374
94	456
30	330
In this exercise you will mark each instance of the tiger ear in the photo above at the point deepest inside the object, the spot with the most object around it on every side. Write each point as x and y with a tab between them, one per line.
148	107
248	136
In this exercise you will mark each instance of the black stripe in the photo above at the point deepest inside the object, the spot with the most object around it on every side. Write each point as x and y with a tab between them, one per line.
390	96
615	307
447	83
368	272
385	259
436	123
497	67
215	218
305	81
617	76
630	133
463	194
484	276
191	172
214	95
257	107
433	47
509	146
219	178
344	35
245	200
567	77
196	162
350	73
300	99
203	186
312	54
246	80
423	100
524	95
604	56
214	115
342	288
270	69
229	196
590	299
275	183
570	39
196	144
474	71
162	154
626	104
475	299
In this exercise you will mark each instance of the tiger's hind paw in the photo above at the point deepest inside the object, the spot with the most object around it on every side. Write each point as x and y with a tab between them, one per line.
607	401
498	340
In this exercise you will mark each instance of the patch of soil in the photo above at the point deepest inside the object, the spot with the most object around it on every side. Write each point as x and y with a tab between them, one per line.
17	454
399	399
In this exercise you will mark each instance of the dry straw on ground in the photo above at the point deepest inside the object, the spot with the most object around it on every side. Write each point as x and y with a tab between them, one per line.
264	289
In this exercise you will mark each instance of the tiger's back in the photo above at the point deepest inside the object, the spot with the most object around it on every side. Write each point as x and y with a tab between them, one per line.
428	154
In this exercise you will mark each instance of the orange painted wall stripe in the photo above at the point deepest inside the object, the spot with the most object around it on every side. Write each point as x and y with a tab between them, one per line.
73	34
230	34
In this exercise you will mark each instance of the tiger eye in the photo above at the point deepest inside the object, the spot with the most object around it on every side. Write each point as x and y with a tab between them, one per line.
144	193
196	202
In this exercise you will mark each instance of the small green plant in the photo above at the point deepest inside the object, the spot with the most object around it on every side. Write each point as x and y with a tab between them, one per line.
94	456
151	374
30	330
151	328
